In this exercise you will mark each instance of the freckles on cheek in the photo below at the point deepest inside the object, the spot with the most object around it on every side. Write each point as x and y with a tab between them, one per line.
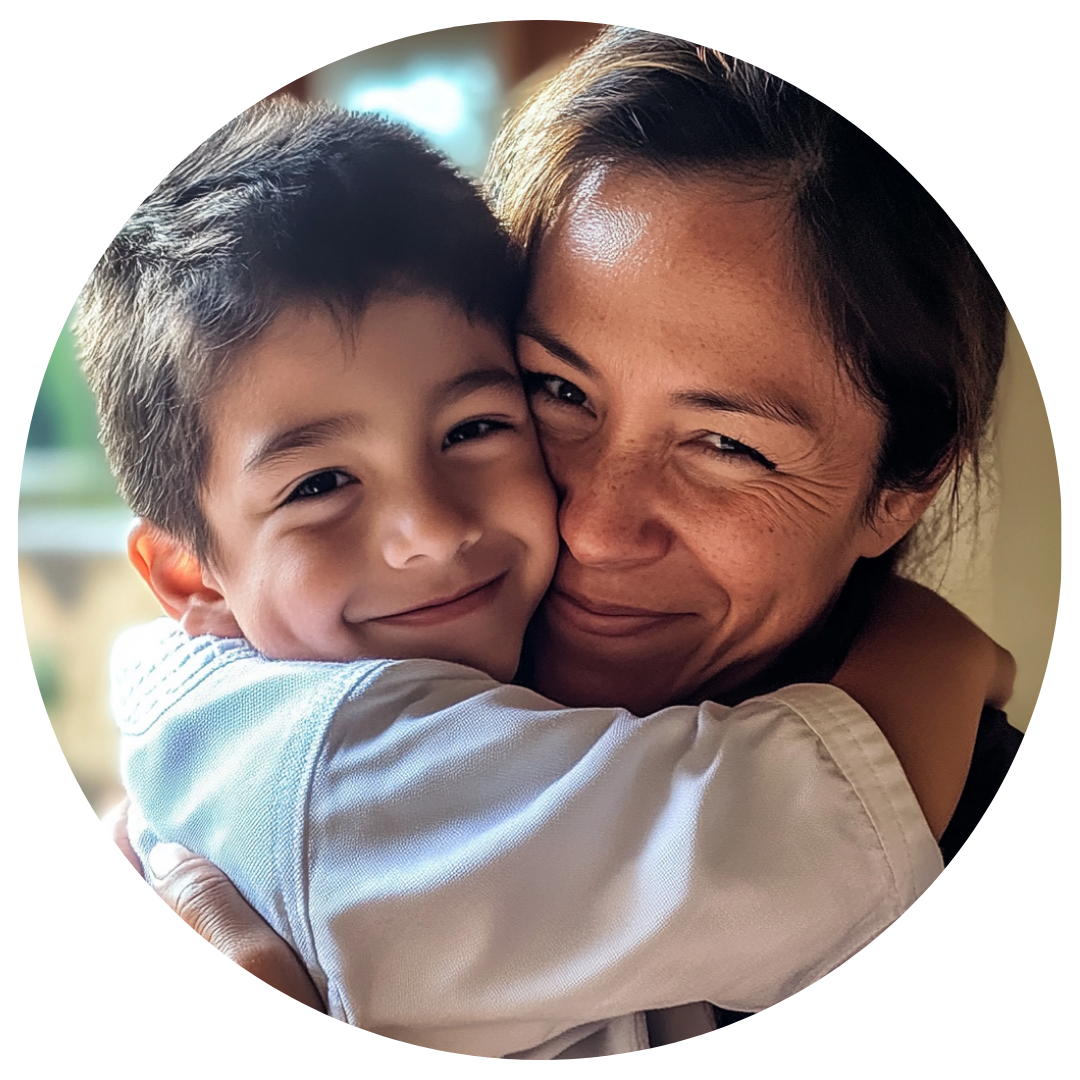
759	548
733	544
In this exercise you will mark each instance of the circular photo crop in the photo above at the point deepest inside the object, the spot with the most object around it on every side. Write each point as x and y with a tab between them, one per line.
561	518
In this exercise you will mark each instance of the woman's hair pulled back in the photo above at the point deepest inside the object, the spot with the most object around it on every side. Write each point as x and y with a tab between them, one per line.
910	309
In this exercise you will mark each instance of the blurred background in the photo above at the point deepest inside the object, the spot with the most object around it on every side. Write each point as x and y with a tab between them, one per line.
78	591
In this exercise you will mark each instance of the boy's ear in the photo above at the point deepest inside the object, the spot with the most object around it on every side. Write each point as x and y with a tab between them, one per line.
187	591
896	513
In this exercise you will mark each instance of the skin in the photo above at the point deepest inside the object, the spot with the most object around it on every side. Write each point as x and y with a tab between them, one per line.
714	464
374	489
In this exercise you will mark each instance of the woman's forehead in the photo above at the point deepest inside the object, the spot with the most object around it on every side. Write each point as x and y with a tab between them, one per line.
683	289
692	212
678	262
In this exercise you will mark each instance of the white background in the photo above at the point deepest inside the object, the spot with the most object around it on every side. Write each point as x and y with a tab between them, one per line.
102	100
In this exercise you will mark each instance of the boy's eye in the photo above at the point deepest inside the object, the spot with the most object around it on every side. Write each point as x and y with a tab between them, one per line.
474	429
725	446
320	483
552	386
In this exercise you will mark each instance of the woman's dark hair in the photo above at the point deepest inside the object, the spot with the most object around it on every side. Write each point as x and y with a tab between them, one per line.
287	203
910	309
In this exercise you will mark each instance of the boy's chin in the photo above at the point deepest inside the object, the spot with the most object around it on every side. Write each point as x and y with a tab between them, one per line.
498	662
501	668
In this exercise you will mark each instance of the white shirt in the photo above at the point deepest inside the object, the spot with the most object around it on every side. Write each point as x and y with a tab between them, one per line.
467	866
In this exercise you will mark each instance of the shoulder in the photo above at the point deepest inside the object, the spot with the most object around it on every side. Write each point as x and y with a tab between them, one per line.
159	672
157	663
849	744
210	727
218	743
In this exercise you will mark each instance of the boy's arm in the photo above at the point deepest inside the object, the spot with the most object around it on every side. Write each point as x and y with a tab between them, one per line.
924	671
919	667
472	867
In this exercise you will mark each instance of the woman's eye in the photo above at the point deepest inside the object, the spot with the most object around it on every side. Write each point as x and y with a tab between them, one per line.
474	429
727	447
552	386
320	483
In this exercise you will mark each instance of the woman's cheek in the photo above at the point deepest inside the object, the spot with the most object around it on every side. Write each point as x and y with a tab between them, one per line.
752	539
793	509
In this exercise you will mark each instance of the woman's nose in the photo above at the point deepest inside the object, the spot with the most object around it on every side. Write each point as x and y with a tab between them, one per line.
419	524
608	512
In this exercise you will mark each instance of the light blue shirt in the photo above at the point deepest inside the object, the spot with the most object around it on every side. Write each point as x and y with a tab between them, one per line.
468	866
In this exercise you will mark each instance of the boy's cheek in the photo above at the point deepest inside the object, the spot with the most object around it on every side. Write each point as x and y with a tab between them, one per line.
538	507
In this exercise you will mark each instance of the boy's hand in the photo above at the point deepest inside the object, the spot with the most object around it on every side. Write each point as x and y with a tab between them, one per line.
212	906
924	671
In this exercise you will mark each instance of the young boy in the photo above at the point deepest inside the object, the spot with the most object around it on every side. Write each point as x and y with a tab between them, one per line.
300	347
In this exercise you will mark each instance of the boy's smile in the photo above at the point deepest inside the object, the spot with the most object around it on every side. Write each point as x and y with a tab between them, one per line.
375	489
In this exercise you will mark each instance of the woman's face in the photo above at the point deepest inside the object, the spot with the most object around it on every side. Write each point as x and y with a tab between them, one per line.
713	463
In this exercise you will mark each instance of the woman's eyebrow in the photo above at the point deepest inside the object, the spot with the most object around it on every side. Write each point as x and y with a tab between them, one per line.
530	328
283	443
765	406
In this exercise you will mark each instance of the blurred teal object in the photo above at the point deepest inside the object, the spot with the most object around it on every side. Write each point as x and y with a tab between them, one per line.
447	85
451	100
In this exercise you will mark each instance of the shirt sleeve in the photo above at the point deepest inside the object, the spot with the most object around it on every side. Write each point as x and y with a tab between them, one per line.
470	867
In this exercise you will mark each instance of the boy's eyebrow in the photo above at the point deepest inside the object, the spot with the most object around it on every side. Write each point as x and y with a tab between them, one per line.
282	443
470	381
529	327
315	433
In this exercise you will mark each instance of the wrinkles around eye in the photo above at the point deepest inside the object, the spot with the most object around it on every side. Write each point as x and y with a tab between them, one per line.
725	447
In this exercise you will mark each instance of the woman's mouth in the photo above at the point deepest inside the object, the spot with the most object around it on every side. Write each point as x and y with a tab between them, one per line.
608	620
471	599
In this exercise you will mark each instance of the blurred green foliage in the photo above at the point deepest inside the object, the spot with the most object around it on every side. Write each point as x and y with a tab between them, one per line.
48	675
65	464
64	415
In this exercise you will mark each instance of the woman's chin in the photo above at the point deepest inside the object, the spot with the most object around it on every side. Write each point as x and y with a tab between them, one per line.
591	623
579	667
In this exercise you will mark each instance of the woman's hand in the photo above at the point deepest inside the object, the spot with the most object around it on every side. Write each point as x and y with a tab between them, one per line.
924	671
211	905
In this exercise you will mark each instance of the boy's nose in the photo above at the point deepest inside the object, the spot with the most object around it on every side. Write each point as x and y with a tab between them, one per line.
423	526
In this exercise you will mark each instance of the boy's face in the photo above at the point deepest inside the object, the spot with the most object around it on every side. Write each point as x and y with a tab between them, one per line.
375	489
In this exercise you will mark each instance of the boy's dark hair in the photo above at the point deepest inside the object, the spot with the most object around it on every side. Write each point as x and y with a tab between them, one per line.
289	202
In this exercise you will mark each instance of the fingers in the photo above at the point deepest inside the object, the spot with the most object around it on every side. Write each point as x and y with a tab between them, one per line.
115	823
211	905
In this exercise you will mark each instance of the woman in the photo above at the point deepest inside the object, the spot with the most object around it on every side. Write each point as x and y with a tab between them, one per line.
756	349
